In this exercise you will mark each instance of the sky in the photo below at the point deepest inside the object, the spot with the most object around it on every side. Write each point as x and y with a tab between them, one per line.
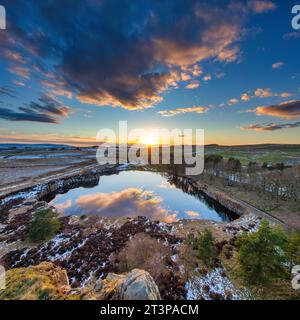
69	68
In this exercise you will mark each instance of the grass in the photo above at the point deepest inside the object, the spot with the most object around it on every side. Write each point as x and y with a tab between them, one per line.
27	284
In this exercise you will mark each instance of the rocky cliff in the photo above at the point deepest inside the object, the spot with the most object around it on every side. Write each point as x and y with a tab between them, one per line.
47	281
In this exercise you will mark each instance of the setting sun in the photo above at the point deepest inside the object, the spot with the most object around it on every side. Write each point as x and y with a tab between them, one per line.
150	139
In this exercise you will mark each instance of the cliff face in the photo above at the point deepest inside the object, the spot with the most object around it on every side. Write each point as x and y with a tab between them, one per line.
46	281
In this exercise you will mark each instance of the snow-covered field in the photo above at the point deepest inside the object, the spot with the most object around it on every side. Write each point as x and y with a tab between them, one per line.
214	285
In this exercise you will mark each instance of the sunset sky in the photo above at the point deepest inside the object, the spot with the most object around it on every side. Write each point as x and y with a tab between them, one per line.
69	68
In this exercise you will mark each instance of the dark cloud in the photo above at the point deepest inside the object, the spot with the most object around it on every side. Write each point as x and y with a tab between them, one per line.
4	91
47	110
285	110
121	53
271	126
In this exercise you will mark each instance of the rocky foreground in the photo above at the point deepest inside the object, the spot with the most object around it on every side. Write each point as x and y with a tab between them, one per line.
84	259
47	281
90	258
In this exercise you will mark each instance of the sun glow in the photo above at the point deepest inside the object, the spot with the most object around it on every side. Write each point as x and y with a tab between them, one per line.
150	139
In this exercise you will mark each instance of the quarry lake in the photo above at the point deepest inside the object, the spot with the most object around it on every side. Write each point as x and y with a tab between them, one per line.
138	193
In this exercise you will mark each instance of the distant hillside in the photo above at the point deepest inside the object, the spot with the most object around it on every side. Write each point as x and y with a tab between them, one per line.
33	146
266	146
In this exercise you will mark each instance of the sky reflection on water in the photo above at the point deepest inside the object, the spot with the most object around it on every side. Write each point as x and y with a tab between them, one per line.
135	193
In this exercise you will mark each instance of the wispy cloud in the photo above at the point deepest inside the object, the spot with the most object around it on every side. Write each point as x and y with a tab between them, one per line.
4	91
14	56
25	137
47	110
261	6
177	111
284	110
20	71
278	65
264	93
291	35
270	126
193	85
233	101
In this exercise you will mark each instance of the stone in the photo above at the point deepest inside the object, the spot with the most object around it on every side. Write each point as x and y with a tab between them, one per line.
135	285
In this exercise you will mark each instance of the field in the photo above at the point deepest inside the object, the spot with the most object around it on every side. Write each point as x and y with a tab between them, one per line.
272	154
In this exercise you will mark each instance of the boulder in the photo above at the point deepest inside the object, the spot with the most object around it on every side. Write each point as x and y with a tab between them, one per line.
135	285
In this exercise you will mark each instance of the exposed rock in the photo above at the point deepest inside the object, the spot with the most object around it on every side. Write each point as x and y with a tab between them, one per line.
135	285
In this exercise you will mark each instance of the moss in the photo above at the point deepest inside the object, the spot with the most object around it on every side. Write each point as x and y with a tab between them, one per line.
32	283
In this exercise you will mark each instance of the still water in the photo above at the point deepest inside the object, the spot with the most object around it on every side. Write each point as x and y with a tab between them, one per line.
137	193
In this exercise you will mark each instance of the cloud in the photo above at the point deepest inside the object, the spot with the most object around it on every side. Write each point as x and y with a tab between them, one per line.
259	93
192	214
47	110
121	55
271	126
260	6
193	85
57	88
25	137
14	56
263	93
278	65
284	110
267	93
4	91
229	55
233	101
285	94
220	75
245	97
129	202
166	185
207	77
174	112
20	71
63	206
19	83
185	76
291	35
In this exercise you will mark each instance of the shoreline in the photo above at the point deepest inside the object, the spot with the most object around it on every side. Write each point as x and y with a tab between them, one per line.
89	174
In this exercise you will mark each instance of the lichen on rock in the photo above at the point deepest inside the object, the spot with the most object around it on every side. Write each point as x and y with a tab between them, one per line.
135	285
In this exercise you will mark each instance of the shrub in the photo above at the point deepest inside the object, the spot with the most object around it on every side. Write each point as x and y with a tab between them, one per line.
145	253
44	226
205	247
260	255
